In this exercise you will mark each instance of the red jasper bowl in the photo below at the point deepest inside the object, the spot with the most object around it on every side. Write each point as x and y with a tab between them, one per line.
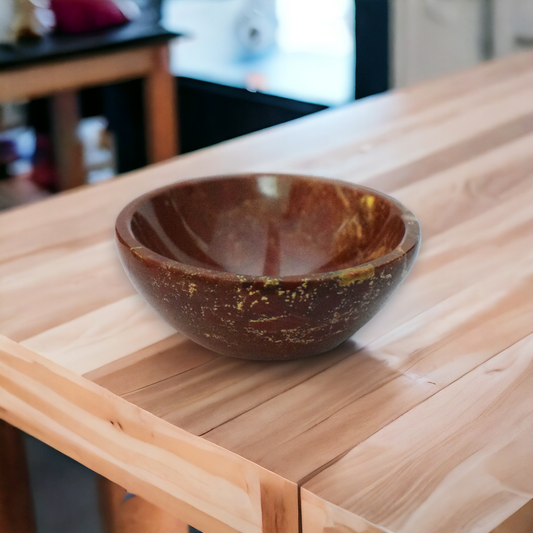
266	266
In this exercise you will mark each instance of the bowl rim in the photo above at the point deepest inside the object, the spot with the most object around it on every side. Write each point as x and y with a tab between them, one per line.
124	233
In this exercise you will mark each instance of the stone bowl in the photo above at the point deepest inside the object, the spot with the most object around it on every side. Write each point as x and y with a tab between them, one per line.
266	266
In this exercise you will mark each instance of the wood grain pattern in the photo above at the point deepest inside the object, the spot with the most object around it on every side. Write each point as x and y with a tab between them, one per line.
208	396
206	486
452	338
474	176
463	191
101	336
476	471
203	407
79	283
153	364
409	146
406	428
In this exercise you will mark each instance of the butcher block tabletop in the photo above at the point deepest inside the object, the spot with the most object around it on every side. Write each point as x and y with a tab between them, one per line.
421	423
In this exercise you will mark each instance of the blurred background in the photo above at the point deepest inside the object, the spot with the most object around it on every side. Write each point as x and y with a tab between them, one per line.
239	66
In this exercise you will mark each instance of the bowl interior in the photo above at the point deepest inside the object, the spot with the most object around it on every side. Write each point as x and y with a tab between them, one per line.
268	225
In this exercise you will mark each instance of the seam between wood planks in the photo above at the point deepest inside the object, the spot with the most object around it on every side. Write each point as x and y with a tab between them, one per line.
283	392
159	380
336	459
347	444
350	504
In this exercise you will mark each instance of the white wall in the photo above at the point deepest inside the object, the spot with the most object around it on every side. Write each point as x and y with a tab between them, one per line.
435	37
513	26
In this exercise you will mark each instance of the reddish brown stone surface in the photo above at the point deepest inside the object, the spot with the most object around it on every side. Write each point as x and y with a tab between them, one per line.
267	266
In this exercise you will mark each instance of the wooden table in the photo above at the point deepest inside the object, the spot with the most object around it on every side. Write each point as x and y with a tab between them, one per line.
420	424
60	65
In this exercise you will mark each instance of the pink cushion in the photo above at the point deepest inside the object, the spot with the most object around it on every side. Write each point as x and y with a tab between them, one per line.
77	16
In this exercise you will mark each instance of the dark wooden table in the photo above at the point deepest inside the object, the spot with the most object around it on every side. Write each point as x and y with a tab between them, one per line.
59	65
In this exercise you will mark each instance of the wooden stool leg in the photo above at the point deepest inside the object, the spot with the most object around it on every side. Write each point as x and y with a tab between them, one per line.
68	150
16	508
134	515
161	114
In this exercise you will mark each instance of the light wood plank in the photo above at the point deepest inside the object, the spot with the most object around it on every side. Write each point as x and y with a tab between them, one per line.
320	516
357	396
155	363
425	143
455	260
453	155
459	461
204	485
102	336
206	397
69	287
458	194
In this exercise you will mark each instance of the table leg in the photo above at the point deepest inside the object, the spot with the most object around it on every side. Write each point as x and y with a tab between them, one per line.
68	149
16	507
161	113
133	515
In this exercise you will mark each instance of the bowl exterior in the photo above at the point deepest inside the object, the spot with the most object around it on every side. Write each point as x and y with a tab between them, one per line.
265	318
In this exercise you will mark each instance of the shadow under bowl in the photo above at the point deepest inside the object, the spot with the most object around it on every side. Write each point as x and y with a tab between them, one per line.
267	266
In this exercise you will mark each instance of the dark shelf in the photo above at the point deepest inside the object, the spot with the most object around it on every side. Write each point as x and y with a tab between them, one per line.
53	47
